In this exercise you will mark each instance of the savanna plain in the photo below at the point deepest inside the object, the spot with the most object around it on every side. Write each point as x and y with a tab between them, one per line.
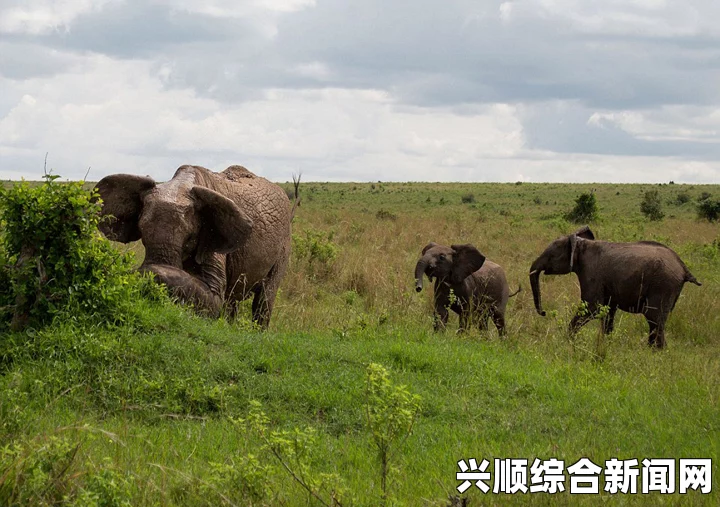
170	408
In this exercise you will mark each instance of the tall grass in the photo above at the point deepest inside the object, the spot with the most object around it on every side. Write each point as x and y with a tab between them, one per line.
147	413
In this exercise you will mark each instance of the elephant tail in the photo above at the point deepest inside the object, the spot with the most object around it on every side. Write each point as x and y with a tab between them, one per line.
296	203
516	292
690	278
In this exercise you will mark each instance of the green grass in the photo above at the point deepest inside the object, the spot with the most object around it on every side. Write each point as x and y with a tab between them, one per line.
145	413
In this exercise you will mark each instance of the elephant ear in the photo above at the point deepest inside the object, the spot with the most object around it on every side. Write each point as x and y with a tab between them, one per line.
428	247
581	234
224	227
584	233
122	200
466	260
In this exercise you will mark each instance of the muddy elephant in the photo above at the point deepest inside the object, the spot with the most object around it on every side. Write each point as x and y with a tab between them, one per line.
644	277
213	238
479	286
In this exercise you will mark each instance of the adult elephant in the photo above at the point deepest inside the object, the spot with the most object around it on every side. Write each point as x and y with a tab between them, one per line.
644	277
479	286
213	238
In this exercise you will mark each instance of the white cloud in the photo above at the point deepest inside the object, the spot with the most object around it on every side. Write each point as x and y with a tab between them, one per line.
670	123
234	8
315	70
110	114
40	16
558	90
632	17
506	10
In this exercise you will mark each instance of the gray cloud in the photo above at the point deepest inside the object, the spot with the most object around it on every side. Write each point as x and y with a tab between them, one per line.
144	30
567	128
565	67
28	59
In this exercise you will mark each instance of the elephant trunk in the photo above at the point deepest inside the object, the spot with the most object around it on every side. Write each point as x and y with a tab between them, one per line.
420	268
535	271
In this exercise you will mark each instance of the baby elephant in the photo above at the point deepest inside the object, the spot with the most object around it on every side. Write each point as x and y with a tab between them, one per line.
480	287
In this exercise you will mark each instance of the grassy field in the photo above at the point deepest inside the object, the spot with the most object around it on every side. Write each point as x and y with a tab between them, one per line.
150	413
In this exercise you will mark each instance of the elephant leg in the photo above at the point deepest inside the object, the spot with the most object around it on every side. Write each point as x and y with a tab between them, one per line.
499	321
264	300
482	321
656	335
656	316
260	307
652	336
609	321
464	318
440	317
660	340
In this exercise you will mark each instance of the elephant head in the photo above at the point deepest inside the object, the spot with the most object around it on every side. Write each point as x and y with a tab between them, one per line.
177	221
450	264
559	258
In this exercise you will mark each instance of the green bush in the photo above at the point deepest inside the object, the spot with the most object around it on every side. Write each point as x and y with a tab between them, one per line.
391	412
709	209
315	246
682	198
54	260
585	209
651	206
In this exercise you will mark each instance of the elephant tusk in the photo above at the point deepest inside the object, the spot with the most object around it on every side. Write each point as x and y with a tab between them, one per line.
534	271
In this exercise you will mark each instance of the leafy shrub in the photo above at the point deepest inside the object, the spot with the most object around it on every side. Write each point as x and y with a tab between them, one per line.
711	251
585	209
55	261
315	246
709	209
651	206
391	412
468	198
704	196
292	451
682	198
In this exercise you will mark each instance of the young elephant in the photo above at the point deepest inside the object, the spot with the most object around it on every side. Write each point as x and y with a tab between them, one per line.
644	277
480	287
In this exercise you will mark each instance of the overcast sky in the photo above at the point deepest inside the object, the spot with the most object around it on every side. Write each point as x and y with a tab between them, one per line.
363	90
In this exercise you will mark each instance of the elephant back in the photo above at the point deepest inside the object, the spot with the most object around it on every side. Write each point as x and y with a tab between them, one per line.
267	204
491	277
238	172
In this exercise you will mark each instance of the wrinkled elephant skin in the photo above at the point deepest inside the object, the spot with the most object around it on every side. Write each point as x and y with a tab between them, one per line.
185	287
213	238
